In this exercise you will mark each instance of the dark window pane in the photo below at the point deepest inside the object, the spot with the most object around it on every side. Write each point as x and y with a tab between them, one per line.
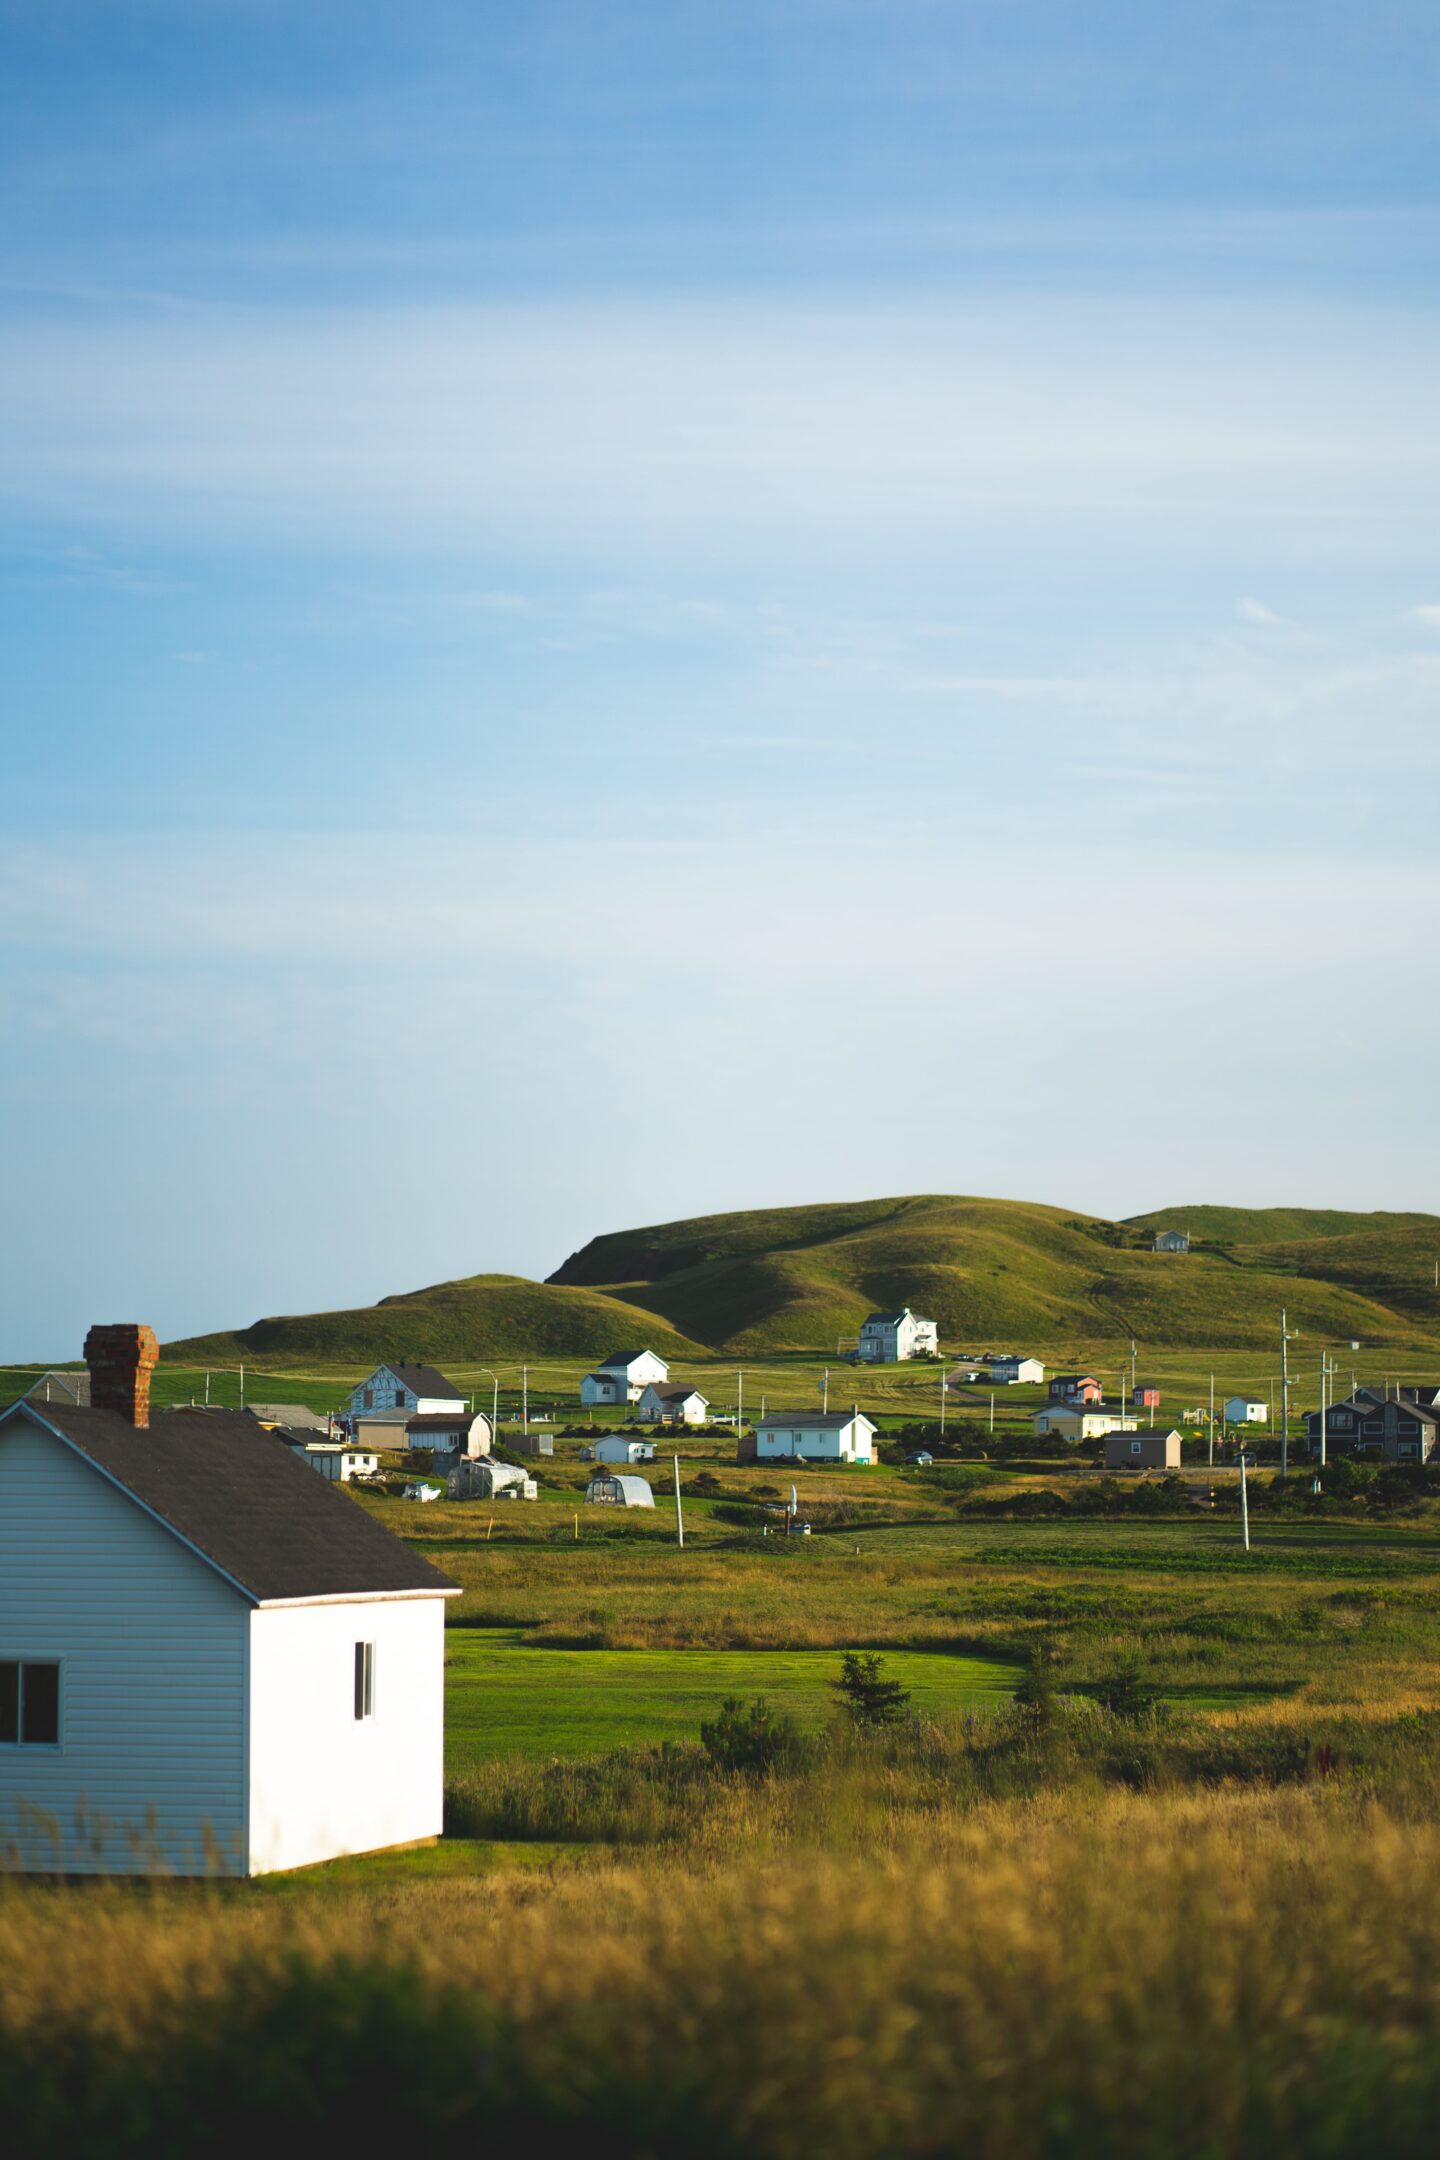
40	1705
359	1679
9	1700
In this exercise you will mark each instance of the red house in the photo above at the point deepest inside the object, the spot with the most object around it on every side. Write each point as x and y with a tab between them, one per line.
1075	1388
1145	1398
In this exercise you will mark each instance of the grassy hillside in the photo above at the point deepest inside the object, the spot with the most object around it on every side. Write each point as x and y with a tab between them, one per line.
781	1280
478	1317
991	1270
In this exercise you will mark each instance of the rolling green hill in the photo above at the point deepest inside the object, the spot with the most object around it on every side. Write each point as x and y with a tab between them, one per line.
990	1271
478	1317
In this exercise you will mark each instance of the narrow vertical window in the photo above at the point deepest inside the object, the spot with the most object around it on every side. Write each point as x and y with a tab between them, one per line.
364	1679
30	1702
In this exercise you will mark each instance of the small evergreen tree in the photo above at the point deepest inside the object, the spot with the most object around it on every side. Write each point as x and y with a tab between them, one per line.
1125	1694
751	1737
1037	1696
870	1700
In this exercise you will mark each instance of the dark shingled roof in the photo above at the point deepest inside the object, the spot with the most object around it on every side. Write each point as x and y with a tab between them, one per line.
438	1421
244	1500
425	1380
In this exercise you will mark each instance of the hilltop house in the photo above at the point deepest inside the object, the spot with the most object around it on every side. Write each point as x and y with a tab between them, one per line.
673	1404
621	1378
1145	1451
815	1436
1171	1241
1075	1388
1246	1410
1401	1428
888	1338
413	1390
1077	1421
73	1387
209	1658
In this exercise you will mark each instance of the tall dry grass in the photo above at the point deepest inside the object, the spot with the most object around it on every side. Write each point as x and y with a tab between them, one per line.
1230	1973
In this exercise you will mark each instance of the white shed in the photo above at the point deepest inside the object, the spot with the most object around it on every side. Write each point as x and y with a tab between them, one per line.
209	1657
1077	1421
1009	1371
450	1432
819	1436
616	1449
334	1460
1246	1410
612	1489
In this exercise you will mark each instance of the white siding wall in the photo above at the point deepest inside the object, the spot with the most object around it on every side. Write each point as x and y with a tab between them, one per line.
323	1781
152	1690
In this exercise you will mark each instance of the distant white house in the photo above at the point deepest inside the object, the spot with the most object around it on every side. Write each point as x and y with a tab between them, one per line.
210	1660
1246	1410
815	1436
623	1377
887	1338
674	1404
612	1489
618	1450
415	1390
1012	1371
1142	1451
335	1461
450	1432
1077	1421
1171	1241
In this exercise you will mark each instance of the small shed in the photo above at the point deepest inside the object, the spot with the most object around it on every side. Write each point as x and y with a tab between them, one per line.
616	1449
1142	1450
612	1489
1145	1397
1246	1410
1171	1241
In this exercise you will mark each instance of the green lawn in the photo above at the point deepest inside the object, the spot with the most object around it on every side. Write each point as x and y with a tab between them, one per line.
506	1696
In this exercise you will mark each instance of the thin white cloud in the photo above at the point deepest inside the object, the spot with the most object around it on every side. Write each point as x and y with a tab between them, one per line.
1429	615
528	426
1255	611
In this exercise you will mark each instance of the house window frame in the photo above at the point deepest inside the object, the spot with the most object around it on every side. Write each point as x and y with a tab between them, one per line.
46	1747
364	1682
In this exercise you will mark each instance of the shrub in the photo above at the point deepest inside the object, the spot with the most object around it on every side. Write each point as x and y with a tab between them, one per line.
751	1737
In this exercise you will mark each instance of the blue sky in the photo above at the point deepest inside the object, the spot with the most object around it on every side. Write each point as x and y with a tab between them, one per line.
612	611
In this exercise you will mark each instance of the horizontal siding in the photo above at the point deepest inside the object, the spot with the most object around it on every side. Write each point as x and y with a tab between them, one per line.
153	1690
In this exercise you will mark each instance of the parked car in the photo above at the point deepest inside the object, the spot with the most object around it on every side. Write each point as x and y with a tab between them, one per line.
922	1458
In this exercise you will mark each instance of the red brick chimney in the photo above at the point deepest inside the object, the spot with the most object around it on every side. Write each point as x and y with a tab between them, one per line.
121	1359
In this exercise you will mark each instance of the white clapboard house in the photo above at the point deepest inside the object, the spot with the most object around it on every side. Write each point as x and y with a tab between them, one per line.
888	1338
412	1390
623	1377
815	1436
674	1404
211	1660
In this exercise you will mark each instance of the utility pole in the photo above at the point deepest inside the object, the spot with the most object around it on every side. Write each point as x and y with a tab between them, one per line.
1286	1337
942	1401
524	1398
739	1401
207	1390
1244	1503
992	1414
242	1387
1322	1409
825	1393
1210	1428
679	1515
